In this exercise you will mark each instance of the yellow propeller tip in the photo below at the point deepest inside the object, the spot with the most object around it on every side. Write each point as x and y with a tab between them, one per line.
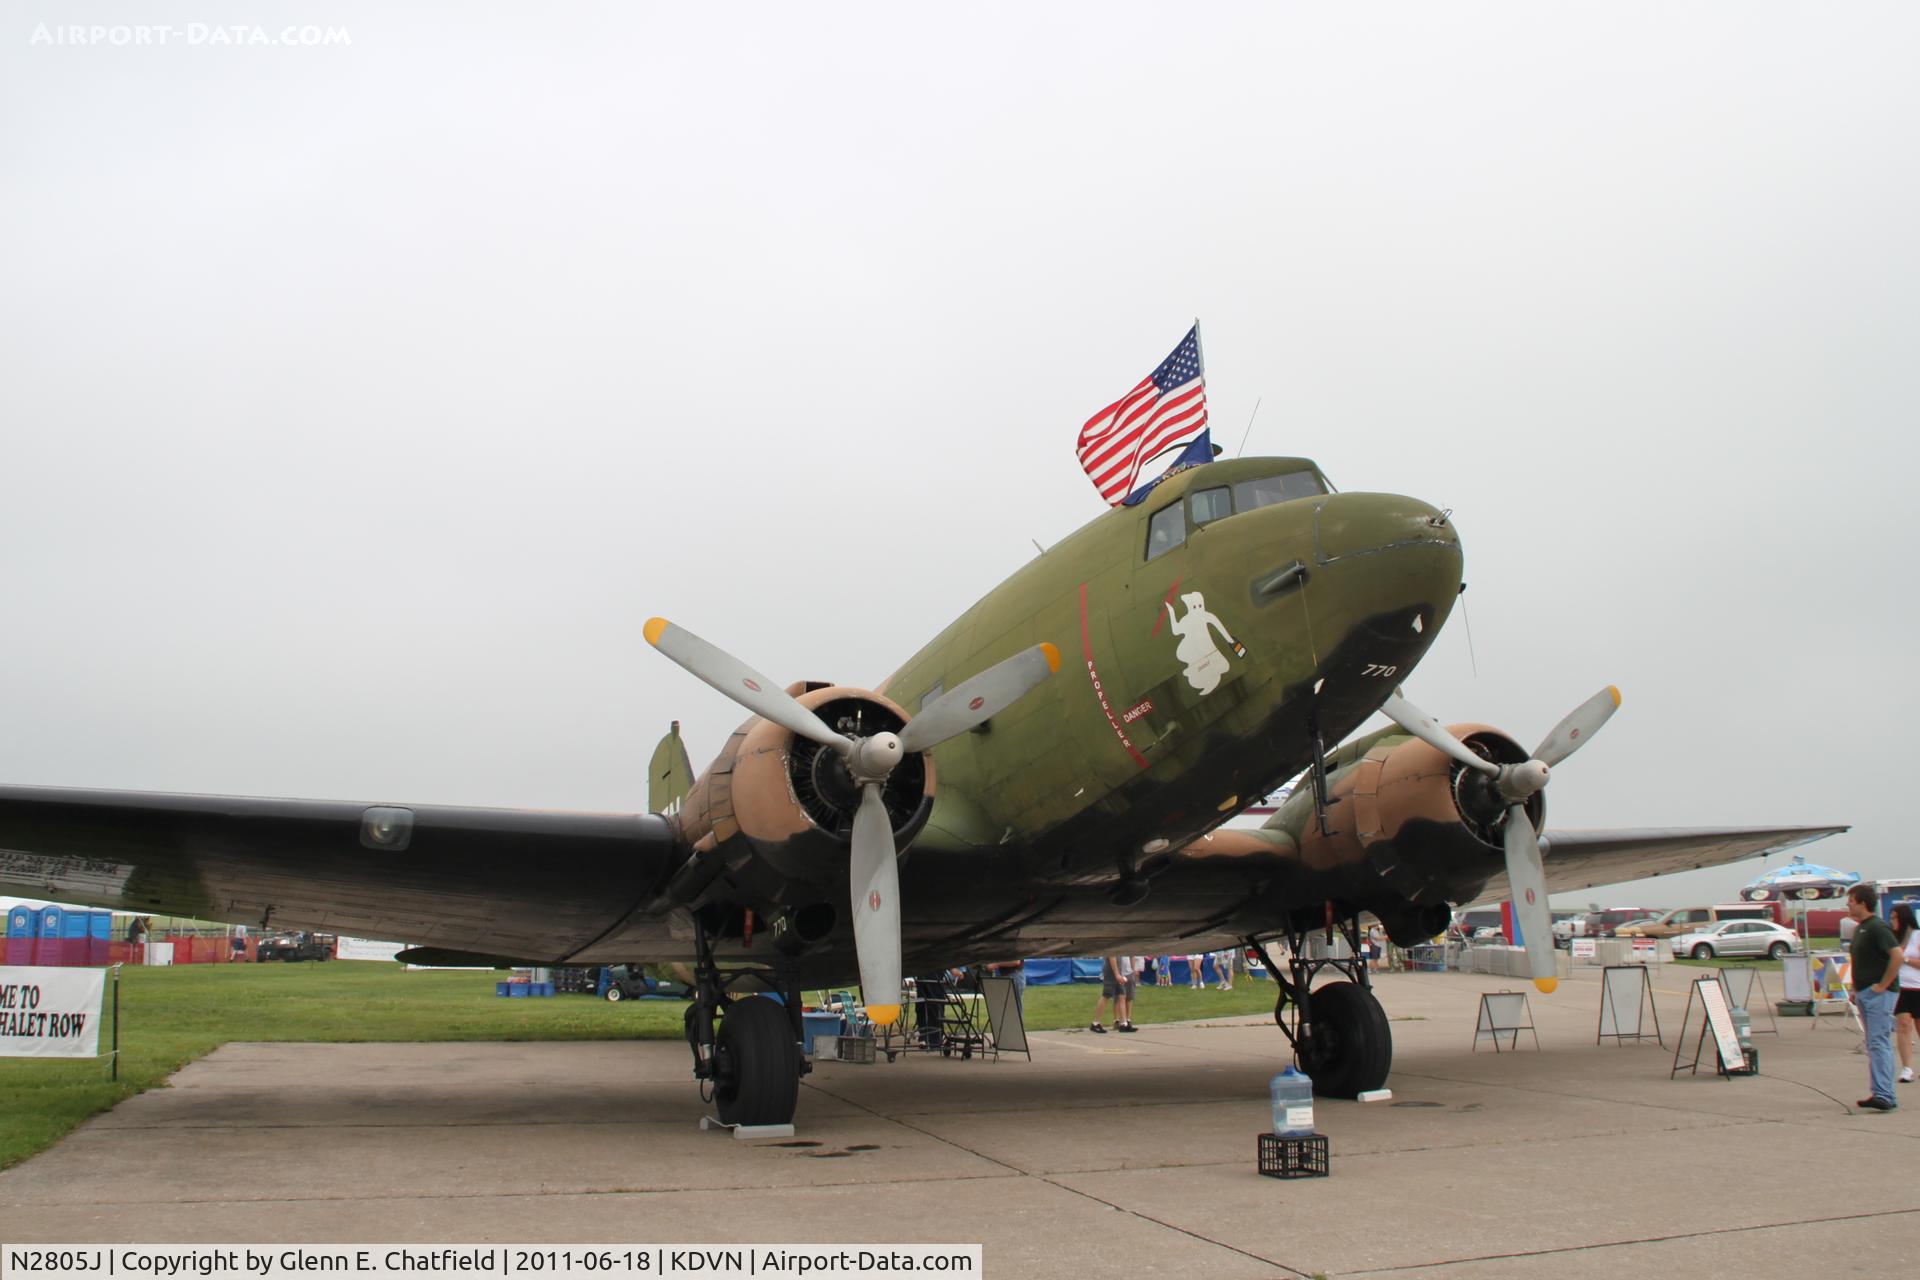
1546	985
1051	654
653	629
883	1015
1614	689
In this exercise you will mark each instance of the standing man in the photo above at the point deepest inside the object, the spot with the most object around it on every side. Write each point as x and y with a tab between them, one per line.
1876	967
1015	971
1116	984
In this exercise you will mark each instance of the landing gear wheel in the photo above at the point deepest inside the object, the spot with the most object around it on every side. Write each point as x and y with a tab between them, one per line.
1351	1048
757	1064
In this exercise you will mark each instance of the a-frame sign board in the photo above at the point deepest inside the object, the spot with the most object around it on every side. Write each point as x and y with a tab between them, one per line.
1005	1021
1626	1005
1504	1013
1716	1019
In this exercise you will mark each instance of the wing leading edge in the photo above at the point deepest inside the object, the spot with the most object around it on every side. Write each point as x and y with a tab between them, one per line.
502	881
1584	859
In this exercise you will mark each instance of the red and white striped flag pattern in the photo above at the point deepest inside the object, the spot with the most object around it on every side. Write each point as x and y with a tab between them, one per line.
1157	419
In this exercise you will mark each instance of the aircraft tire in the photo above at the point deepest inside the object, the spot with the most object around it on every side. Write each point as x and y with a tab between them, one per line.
1353	1045
758	1080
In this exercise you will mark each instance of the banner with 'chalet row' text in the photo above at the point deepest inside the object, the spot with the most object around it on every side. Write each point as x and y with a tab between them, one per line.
50	1013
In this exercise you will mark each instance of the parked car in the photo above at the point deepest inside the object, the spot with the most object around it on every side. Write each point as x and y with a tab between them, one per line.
1600	924
631	981
1668	924
295	946
1749	911
1564	930
1737	938
1473	920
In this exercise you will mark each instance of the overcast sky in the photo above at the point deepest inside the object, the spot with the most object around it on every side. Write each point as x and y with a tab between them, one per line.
361	400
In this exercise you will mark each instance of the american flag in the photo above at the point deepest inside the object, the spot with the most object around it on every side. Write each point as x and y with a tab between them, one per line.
1158	419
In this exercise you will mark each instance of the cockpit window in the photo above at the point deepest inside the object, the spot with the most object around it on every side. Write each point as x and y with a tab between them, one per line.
1211	504
1249	495
1167	530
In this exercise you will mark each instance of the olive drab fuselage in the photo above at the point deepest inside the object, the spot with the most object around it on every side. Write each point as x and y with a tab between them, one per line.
1329	601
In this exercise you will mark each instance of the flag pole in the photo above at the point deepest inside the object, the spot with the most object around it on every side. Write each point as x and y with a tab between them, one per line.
1201	353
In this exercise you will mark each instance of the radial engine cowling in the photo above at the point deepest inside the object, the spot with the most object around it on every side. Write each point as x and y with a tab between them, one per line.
1425	828
780	808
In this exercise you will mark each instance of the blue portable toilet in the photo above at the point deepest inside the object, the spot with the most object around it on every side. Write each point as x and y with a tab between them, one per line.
48	949
23	926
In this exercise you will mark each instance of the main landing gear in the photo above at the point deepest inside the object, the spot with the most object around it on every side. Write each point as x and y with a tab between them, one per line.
1339	1031
750	1063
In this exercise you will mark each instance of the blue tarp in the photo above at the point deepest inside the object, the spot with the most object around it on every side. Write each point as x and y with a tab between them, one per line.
1056	973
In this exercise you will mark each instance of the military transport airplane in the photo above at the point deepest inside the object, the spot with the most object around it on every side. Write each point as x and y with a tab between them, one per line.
980	804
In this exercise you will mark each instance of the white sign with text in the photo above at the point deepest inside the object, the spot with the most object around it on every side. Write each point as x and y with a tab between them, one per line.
50	1013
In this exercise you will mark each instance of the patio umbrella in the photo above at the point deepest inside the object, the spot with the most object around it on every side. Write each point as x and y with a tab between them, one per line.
1800	881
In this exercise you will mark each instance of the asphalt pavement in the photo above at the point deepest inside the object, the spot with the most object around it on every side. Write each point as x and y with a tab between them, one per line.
1110	1155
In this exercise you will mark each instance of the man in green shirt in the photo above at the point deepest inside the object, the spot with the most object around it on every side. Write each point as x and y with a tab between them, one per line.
1876	968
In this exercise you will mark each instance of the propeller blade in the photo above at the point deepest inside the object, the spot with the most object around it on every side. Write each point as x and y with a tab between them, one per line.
741	682
972	701
875	874
1527	878
1434	734
1581	723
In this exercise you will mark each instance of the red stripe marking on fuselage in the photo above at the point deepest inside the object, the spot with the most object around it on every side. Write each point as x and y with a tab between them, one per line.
1161	616
1099	691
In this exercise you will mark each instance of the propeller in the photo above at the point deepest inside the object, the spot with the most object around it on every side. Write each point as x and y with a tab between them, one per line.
1516	784
873	869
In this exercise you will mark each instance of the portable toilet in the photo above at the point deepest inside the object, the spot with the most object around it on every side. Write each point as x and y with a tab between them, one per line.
47	949
23	926
73	937
99	937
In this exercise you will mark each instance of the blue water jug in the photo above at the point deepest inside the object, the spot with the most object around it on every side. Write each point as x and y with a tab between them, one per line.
1292	1095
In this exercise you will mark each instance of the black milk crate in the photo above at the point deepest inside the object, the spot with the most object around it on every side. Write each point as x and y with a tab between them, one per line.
1294	1157
851	1048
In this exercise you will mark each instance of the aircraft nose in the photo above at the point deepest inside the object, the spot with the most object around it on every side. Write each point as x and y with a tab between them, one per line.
1355	524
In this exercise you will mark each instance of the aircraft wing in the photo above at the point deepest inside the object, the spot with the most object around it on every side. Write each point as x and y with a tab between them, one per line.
524	883
1583	859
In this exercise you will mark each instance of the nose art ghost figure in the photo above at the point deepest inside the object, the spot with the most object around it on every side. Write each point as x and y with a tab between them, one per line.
1205	663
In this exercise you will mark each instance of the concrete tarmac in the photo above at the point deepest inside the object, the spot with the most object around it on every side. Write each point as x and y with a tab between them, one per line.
1113	1155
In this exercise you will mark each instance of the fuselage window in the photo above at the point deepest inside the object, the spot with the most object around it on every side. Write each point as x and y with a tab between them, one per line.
1267	490
1211	504
1167	530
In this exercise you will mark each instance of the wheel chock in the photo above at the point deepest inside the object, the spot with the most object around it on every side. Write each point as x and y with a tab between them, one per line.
746	1132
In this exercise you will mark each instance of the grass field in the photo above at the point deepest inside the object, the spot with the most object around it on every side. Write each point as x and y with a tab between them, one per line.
170	1016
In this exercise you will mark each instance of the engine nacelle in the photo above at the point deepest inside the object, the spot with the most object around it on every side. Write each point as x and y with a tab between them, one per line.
778	809
1420	829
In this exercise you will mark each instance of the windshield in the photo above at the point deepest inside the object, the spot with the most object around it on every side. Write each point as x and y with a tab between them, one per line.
1250	495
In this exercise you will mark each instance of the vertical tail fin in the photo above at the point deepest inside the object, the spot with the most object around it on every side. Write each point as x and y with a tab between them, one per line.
669	775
